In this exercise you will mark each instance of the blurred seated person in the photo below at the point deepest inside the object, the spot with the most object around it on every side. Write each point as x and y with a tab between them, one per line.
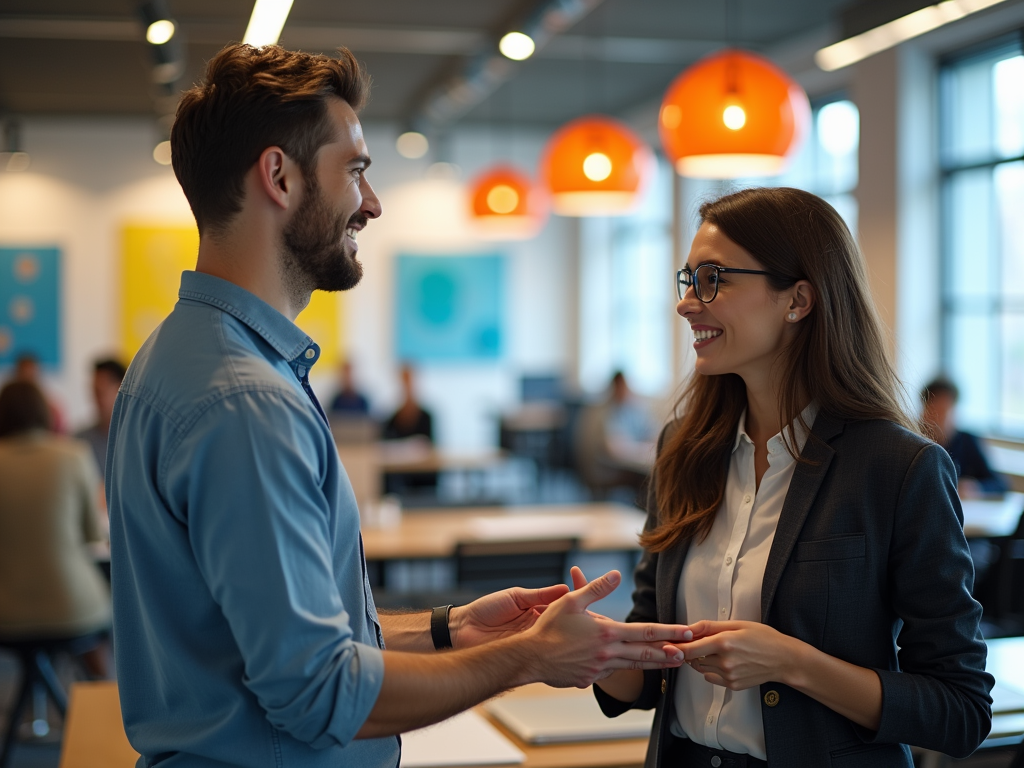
27	368
50	587
938	421
349	401
410	421
107	376
615	440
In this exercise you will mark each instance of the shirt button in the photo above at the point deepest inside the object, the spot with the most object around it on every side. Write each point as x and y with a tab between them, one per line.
310	353
728	560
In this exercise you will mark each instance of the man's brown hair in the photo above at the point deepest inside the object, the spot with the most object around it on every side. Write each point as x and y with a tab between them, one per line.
251	99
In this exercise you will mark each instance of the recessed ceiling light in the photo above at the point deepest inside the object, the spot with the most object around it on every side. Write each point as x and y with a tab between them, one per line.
159	32
517	46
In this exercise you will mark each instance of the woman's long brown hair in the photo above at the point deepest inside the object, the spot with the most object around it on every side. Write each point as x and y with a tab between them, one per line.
838	357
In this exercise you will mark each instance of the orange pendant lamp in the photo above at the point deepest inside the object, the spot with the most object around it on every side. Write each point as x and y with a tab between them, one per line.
505	204
733	114
595	166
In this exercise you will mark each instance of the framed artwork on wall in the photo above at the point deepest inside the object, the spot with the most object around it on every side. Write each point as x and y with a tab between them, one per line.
30	304
450	308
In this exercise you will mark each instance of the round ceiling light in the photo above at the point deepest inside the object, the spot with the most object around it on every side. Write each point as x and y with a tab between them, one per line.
505	204
160	31
595	166
733	114
517	46
412	145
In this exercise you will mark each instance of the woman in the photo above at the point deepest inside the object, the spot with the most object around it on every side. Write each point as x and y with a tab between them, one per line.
798	523
50	588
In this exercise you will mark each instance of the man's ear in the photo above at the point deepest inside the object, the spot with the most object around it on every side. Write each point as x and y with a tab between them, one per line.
278	176
802	299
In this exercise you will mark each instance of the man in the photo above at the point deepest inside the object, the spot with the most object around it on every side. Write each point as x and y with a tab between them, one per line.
938	420
349	401
246	630
107	376
27	368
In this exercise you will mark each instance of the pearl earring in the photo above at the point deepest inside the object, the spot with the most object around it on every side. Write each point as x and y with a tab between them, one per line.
792	315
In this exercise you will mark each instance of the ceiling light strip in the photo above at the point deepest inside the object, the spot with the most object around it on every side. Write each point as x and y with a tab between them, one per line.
267	21
854	49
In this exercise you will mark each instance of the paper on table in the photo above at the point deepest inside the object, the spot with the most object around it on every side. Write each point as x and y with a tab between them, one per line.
466	739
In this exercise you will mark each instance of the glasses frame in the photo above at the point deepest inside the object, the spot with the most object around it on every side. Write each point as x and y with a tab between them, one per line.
682	285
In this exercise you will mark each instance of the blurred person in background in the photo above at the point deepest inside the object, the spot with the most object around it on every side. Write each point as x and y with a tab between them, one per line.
938	421
27	368
107	375
411	419
50	587
349	401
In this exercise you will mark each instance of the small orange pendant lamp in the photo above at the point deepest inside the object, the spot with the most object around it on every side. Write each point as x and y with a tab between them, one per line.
505	204
595	166
733	114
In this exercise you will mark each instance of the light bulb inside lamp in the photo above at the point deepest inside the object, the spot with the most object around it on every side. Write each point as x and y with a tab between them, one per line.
734	117
502	199
597	166
516	46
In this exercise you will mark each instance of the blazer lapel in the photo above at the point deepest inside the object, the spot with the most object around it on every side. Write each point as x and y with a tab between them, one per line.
802	490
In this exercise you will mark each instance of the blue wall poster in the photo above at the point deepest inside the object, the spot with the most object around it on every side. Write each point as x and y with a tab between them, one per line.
449	308
30	304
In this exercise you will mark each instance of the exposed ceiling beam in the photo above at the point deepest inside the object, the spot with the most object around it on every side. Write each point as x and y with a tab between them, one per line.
439	42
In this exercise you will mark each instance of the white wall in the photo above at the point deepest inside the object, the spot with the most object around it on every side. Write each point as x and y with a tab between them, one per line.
90	176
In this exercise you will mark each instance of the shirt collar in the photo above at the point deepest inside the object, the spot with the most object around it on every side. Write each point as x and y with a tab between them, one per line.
290	341
777	444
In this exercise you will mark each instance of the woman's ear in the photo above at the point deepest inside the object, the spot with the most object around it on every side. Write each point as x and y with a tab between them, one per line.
802	299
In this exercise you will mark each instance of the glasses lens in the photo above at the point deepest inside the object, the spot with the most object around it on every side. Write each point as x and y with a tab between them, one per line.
705	282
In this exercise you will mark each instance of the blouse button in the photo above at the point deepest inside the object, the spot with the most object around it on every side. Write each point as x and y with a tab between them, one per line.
728	560
664	685
746	499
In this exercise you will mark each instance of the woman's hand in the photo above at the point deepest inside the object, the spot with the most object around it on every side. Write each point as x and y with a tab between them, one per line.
745	654
740	654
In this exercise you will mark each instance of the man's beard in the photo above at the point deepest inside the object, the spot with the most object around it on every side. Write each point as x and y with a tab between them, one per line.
314	251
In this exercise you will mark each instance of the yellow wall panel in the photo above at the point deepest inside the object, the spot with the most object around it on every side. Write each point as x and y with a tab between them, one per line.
153	258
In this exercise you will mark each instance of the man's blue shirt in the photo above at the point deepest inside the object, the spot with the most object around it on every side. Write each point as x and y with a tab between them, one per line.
245	630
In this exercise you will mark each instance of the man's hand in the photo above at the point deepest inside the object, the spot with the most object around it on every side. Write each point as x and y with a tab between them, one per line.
740	654
500	614
570	646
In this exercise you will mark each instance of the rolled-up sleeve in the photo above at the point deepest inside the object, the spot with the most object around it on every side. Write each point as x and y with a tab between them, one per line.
940	700
248	478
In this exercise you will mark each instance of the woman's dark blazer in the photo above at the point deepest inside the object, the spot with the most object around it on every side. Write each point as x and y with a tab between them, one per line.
869	564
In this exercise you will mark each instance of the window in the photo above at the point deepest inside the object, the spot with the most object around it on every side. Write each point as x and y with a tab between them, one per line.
982	163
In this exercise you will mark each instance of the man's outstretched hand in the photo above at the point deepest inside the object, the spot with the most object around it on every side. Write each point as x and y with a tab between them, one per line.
500	614
573	647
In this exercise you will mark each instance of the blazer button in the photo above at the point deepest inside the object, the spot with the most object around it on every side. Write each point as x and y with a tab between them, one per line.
771	698
664	685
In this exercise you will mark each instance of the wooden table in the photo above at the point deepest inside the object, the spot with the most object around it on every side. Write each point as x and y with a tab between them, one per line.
94	736
425	533
992	518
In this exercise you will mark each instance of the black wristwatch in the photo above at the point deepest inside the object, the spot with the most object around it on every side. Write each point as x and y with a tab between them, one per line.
439	631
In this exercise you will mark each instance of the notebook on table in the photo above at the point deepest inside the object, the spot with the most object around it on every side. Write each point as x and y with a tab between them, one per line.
564	719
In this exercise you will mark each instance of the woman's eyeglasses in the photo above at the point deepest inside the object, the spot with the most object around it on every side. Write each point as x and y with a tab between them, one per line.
704	280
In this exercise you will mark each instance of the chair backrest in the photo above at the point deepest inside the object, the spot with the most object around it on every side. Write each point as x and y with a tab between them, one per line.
486	566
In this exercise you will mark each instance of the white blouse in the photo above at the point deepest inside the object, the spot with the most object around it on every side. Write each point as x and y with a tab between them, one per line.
721	580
